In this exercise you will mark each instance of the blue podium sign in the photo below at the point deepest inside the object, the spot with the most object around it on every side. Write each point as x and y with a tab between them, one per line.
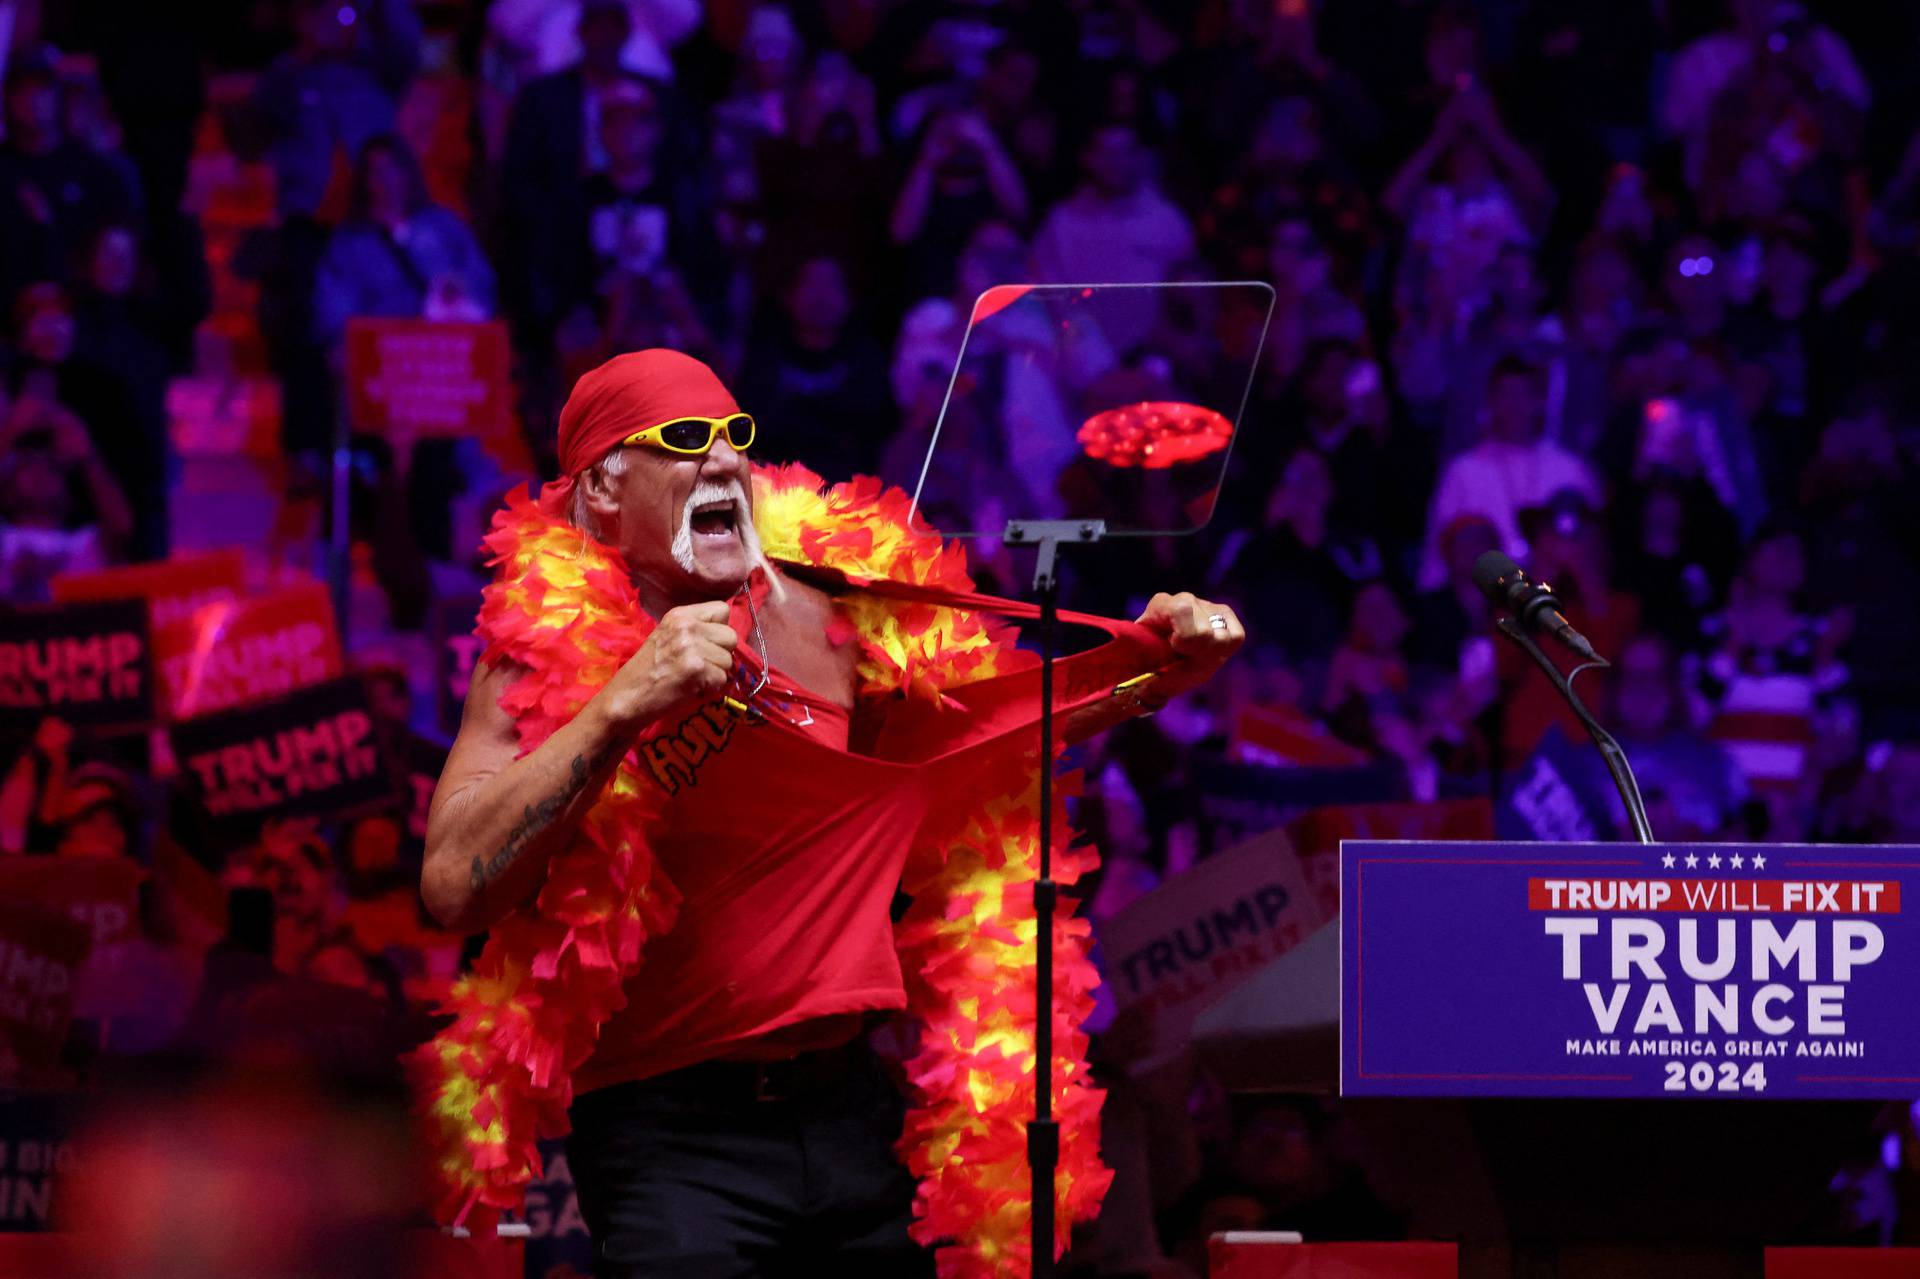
1622	970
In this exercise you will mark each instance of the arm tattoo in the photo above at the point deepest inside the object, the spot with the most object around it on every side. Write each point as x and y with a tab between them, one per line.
535	818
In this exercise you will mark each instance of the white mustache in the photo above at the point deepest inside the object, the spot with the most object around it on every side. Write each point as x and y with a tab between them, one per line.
707	492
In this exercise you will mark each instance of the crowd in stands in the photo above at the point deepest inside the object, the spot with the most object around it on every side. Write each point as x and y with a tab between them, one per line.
1624	288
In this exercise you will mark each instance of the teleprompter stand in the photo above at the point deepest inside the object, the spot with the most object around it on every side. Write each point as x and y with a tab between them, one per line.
1037	442
1043	1134
1610	751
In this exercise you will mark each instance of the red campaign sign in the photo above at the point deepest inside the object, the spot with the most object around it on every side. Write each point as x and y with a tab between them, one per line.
312	753
102	895
173	588
88	663
1842	1263
415	378
234	652
40	956
1251	1255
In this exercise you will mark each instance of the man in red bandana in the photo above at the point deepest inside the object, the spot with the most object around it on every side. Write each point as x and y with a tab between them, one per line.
731	1120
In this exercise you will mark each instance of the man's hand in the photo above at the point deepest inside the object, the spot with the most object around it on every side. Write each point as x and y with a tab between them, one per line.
1188	623
687	658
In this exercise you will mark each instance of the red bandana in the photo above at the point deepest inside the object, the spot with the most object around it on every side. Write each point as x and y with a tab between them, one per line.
629	393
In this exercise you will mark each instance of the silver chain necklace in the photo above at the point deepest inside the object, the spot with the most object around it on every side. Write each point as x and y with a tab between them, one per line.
766	668
760	634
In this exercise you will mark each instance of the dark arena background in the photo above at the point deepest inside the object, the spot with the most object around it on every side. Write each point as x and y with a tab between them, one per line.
292	293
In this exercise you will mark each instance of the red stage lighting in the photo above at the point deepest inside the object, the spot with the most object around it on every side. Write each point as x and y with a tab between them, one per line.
1154	434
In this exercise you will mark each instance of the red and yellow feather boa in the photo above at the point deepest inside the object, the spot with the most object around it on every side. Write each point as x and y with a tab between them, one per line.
499	1077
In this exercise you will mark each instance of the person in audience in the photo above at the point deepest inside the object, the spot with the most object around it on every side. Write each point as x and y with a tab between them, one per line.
398	253
1116	226
121	368
1864	533
1568	546
822	377
61	510
1675	549
530	38
1450	620
1693	788
1296	1157
1014	104
136	992
311	113
1769	669
960	178
650	256
56	190
1757	32
554	143
825	185
1513	466
770	70
294	862
1365	698
1468	192
96	816
1341	408
88	121
35	784
339	87
1309	306
1296	572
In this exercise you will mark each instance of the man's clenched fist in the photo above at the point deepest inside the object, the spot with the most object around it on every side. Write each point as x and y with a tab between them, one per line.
687	659
1199	631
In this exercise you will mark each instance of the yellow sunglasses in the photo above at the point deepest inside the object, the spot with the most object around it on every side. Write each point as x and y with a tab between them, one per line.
695	434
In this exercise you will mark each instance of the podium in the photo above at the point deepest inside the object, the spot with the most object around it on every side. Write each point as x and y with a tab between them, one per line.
1547	1129
1723	971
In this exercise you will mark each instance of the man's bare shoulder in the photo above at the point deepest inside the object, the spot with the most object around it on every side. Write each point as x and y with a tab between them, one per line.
483	719
805	599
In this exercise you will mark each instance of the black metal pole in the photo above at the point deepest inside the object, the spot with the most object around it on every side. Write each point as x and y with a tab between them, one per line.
1610	751
1043	1134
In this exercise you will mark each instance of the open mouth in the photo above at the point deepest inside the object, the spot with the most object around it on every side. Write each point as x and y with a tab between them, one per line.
714	519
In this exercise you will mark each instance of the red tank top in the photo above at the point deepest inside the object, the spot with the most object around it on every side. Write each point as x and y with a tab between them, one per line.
787	850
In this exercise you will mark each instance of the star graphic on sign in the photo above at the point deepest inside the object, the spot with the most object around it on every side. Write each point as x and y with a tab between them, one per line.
1736	861
1667	861
1692	861
1714	861
1759	861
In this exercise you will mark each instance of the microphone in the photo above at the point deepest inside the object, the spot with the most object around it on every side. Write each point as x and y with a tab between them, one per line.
1531	603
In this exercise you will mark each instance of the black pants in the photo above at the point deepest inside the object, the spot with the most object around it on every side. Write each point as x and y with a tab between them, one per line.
698	1174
